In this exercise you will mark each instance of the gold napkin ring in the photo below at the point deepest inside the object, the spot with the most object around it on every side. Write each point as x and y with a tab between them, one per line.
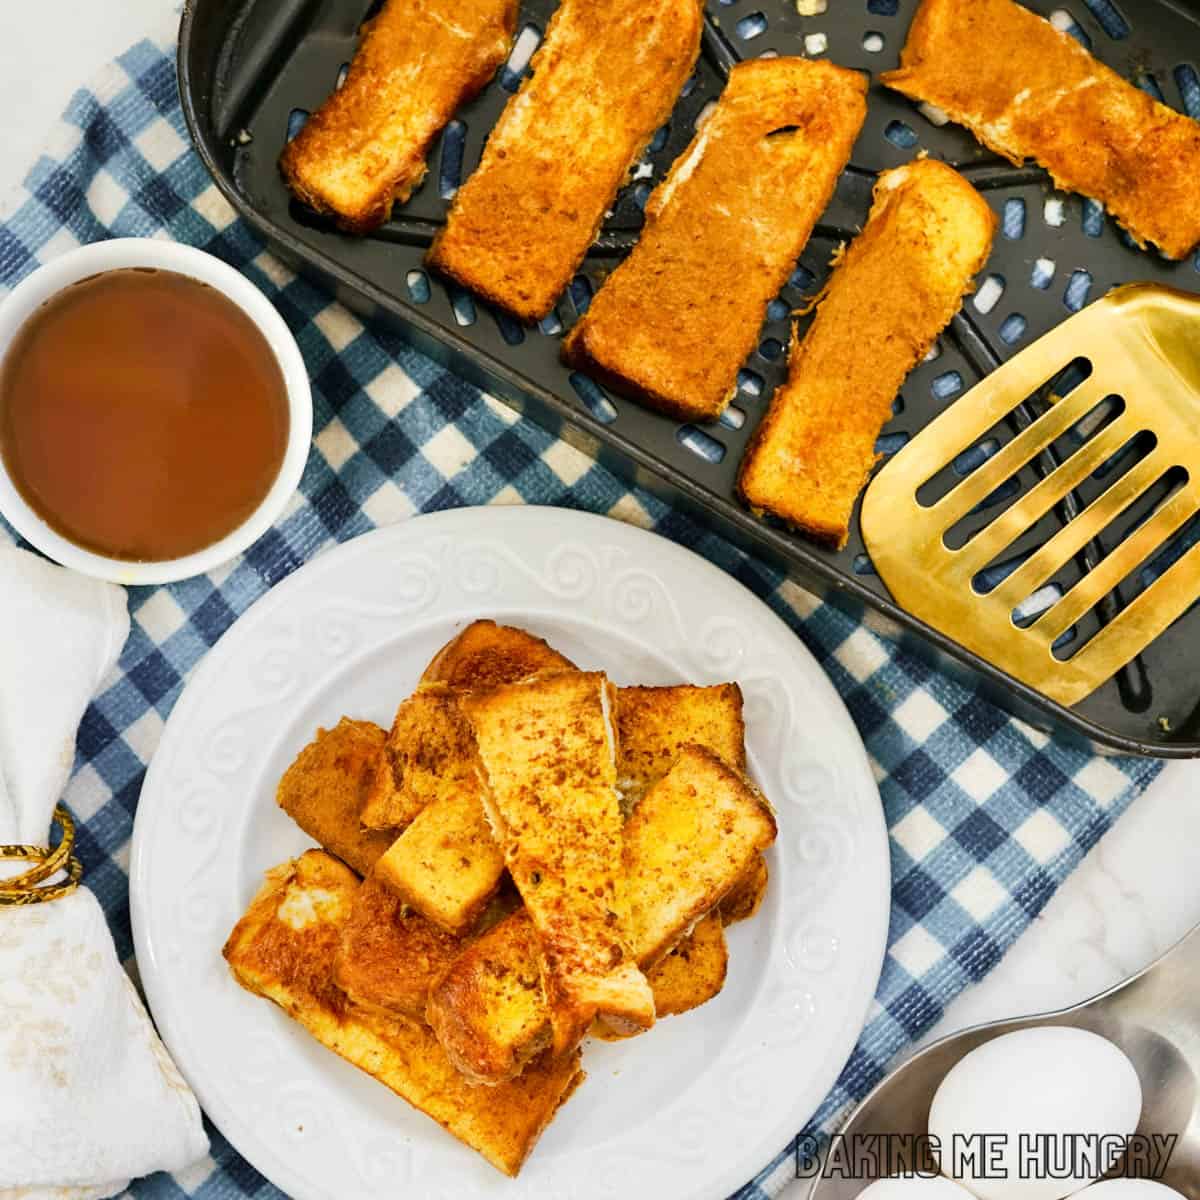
29	888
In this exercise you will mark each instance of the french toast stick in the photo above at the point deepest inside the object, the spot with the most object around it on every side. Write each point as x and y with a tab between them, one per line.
446	864
547	751
695	834
486	654
674	322
689	841
284	949
324	789
655	723
653	726
694	972
429	753
890	295
488	1008
603	81
418	61
1027	90
389	956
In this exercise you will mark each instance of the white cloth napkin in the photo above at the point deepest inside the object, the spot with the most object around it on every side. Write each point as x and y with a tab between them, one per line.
89	1098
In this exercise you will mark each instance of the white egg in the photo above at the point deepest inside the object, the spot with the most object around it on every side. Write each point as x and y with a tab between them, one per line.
1016	1097
1127	1189
916	1187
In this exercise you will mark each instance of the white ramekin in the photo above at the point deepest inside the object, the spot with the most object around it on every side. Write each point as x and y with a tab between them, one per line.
47	281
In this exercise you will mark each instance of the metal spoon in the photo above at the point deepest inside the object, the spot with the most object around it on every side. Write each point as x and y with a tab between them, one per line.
1153	1016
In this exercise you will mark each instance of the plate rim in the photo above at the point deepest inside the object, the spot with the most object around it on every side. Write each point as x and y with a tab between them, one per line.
471	523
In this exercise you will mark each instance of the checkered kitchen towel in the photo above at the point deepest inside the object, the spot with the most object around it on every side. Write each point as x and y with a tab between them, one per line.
987	818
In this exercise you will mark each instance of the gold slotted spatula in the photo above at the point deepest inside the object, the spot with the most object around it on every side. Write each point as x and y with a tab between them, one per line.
1143	344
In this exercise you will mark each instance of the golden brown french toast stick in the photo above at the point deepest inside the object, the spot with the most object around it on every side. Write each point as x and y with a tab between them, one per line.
389	955
547	751
418	60
428	754
446	864
893	291
1027	90
693	836
694	972
653	726
284	949
745	898
655	723
485	654
323	791
674	322
603	81
488	1008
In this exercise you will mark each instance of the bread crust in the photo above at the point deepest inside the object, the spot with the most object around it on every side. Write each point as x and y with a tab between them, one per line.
604	79
892	292
364	148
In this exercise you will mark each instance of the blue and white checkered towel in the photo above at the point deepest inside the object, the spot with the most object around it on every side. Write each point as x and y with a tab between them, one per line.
987	817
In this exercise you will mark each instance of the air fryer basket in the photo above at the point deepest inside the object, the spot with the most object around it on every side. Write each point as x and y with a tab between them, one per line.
250	69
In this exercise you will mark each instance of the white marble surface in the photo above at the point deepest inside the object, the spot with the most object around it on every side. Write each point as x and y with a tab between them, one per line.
1136	893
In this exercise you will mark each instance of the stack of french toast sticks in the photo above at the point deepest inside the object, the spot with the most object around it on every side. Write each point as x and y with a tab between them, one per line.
530	855
673	323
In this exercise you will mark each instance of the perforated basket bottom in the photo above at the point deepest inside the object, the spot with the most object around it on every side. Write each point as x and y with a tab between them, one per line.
272	64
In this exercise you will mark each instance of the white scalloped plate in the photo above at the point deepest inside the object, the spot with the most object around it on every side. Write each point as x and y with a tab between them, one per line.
691	1110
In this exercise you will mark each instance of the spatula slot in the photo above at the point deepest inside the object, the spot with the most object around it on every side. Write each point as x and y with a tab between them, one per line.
1031	608
993	575
1093	423
1101	416
1006	491
1129	455
1155	541
1170	554
973	459
1077	371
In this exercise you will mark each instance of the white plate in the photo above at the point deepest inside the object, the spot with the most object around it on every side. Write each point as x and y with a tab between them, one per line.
691	1110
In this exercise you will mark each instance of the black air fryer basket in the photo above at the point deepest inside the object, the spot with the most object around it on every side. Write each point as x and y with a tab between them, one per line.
251	69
